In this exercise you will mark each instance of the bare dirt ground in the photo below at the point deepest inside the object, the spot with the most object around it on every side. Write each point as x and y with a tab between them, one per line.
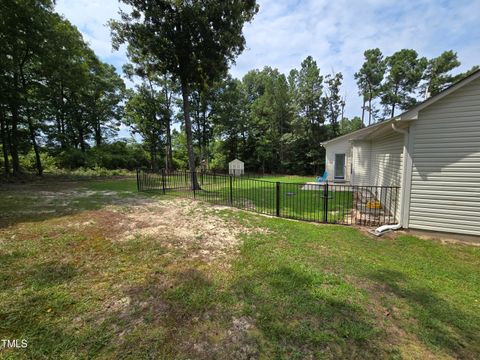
177	224
97	270
135	254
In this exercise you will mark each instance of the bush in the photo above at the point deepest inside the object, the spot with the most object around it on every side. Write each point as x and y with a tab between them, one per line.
95	172
71	159
28	162
118	155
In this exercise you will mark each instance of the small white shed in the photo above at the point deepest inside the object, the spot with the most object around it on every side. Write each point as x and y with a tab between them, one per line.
236	167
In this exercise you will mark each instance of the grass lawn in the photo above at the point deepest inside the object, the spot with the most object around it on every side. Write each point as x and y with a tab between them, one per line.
291	179
259	195
96	270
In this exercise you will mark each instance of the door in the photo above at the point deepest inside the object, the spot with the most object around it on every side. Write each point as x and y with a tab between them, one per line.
339	167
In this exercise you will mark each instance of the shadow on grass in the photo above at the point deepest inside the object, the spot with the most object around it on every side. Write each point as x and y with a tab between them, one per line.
37	202
165	310
50	274
38	312
302	313
35	317
440	323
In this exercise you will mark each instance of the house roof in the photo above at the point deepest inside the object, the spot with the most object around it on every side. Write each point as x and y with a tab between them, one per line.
409	115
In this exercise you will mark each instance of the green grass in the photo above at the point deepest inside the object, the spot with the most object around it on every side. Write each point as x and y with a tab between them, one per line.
292	179
304	290
259	195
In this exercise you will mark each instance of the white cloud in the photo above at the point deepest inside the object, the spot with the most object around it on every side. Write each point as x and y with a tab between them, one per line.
91	18
335	33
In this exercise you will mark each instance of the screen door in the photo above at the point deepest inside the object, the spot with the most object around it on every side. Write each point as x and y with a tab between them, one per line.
339	166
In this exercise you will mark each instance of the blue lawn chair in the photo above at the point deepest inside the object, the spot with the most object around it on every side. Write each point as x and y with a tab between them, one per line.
323	178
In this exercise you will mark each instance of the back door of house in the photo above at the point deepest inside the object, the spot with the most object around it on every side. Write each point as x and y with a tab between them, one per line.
339	167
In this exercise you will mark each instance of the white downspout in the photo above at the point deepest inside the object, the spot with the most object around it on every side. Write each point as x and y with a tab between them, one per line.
386	228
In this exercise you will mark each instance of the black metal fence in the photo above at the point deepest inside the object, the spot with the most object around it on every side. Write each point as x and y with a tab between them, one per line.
324	203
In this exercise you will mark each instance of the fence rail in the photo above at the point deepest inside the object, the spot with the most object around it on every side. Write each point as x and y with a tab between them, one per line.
323	203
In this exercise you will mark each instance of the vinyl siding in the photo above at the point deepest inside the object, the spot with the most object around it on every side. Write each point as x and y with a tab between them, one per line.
361	163
387	160
339	147
386	168
445	184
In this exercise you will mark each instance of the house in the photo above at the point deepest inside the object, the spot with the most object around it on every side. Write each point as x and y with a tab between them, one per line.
432	152
236	167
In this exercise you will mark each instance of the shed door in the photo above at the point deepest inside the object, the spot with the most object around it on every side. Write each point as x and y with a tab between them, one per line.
339	166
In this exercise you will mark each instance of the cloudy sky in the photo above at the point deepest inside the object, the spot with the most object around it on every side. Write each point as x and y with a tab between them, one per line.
335	33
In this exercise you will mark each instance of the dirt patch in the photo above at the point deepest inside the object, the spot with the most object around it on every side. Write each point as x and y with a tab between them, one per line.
237	341
179	223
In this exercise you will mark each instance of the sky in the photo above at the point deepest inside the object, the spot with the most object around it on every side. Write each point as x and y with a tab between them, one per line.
334	32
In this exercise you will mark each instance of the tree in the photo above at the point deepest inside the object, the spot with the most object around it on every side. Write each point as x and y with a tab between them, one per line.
230	121
23	26
141	114
333	101
437	76
369	79
306	87
194	41
309	84
405	71
105	91
146	69
463	75
350	125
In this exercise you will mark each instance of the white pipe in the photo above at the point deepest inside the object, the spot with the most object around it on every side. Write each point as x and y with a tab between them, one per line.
385	228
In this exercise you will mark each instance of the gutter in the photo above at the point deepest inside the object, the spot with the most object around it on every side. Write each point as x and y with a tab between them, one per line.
387	228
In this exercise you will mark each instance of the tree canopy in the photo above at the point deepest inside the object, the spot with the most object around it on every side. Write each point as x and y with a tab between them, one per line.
62	107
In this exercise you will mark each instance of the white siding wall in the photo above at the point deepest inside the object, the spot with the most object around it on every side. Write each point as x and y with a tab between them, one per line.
445	193
386	169
338	147
387	160
361	163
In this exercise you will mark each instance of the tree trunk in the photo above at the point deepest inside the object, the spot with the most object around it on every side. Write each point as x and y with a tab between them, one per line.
188	132
394	102
31	130
81	138
370	111
169	153
3	134
38	161
14	141
363	112
61	119
154	160
98	134
168	130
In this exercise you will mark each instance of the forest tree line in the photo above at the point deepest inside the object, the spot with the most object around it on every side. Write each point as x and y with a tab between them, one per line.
62	107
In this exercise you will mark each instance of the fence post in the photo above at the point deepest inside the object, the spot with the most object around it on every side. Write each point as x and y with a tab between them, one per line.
138	179
231	190
277	191
325	202
163	181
